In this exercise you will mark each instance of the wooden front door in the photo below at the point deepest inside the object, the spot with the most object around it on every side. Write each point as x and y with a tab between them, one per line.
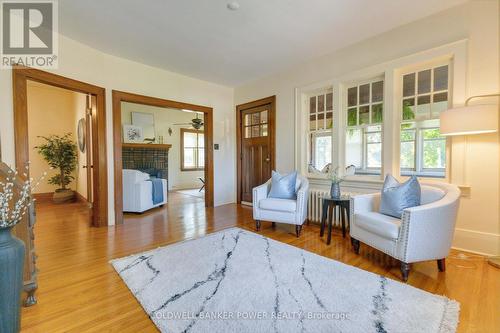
256	149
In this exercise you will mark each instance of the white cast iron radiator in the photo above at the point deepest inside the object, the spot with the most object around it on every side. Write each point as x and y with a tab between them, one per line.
315	205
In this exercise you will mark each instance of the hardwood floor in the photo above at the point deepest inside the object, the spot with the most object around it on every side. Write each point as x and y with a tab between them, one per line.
80	292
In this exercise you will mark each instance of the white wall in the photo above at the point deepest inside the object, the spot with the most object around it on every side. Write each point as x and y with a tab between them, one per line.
83	63
165	119
478	227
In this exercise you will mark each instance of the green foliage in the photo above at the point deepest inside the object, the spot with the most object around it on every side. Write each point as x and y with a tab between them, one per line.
60	153
352	117
377	113
408	112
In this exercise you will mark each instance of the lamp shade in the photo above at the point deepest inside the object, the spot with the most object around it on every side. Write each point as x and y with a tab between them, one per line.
467	120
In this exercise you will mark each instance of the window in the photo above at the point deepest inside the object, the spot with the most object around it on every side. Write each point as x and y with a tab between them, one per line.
192	150
255	124
364	127
320	130
425	96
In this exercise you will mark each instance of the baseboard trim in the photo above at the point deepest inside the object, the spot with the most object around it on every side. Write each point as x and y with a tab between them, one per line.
478	242
43	197
80	198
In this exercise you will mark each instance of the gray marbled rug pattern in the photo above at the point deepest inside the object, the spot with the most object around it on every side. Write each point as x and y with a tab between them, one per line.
238	281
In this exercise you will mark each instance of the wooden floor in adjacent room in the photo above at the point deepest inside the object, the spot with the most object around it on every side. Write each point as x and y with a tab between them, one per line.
79	291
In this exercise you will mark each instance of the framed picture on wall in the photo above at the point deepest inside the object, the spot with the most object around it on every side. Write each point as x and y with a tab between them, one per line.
132	134
146	121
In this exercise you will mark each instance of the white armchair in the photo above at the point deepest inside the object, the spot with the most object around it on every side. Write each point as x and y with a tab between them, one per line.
281	210
138	191
424	232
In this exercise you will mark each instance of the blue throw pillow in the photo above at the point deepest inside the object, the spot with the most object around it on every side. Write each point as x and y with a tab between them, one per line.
283	186
398	196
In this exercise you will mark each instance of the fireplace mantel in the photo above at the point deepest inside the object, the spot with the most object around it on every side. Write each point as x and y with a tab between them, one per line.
147	146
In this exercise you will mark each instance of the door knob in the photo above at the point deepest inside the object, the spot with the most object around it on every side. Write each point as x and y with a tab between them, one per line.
268	159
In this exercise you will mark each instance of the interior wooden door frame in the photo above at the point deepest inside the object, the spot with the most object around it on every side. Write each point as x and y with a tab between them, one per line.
272	135
20	77
118	98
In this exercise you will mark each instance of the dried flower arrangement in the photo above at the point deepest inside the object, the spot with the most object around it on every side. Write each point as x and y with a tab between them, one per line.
14	204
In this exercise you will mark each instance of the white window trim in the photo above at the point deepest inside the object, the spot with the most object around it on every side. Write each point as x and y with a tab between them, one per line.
302	96
419	170
364	171
455	53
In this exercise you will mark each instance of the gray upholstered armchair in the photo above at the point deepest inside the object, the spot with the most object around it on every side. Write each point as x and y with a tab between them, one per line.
281	210
424	232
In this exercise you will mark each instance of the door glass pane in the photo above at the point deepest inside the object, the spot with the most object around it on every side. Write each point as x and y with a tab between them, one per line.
423	107
354	147
441	78
247	120
409	85
321	103
248	132
263	130
424	81
377	91
329	101
312	104
263	117
364	115
377	111
409	109
364	94
352	117
255	118
352	96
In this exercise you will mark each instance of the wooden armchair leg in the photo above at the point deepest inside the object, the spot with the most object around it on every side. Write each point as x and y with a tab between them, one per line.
441	264
405	271
257	225
298	229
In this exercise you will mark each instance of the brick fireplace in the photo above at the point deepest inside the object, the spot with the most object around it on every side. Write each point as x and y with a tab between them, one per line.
150	158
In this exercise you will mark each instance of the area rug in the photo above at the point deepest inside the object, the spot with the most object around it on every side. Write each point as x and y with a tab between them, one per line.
238	281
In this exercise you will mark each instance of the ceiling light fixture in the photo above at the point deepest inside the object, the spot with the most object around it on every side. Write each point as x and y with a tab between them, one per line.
233	5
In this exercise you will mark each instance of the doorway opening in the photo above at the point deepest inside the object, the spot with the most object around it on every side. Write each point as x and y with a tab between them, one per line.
59	136
255	134
47	104
163	155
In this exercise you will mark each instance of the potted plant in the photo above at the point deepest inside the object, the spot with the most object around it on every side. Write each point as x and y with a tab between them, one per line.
336	180
15	198
61	154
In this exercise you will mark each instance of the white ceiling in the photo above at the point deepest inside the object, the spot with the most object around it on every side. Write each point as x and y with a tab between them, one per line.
203	39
